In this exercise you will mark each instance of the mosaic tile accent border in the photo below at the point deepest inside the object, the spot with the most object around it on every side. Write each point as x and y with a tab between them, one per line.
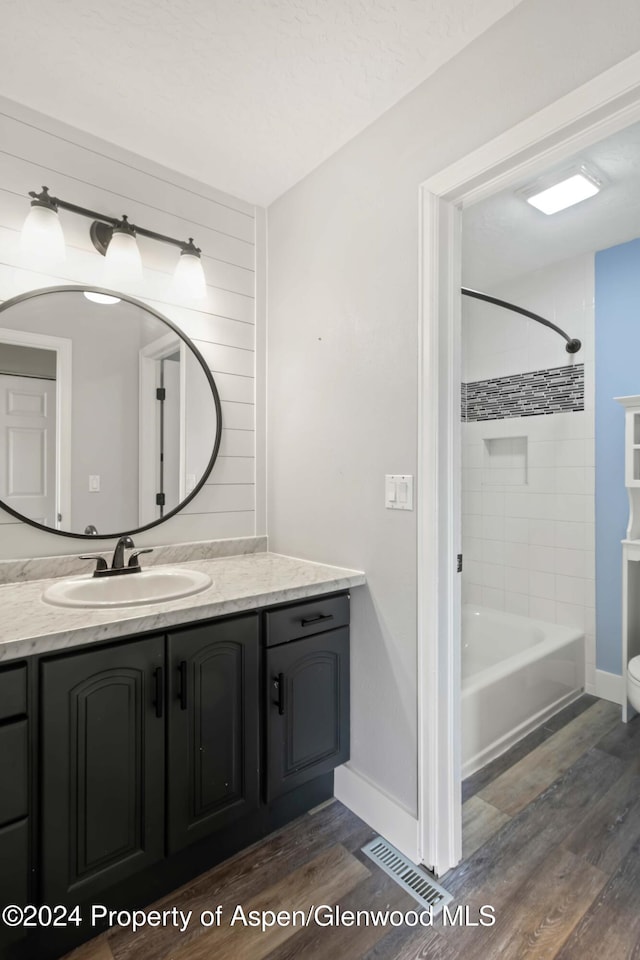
534	394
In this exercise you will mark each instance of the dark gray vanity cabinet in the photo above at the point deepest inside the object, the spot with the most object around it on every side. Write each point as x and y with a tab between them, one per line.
126	726
307	691
14	793
102	767
213	772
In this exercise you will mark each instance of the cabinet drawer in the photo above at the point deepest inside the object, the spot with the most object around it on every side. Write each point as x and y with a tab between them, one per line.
13	771
14	857
306	618
13	692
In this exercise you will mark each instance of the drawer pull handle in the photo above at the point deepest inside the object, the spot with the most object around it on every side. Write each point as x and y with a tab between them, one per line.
319	619
159	701
183	684
278	683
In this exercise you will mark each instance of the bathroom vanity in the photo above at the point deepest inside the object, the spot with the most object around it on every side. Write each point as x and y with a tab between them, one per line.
140	746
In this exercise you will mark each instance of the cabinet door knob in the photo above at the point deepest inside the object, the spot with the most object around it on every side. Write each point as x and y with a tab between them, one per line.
279	685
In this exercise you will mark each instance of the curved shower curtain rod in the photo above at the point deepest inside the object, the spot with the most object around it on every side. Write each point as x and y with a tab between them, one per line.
572	345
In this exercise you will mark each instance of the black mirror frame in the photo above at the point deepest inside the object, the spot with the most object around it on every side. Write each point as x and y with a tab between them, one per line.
80	288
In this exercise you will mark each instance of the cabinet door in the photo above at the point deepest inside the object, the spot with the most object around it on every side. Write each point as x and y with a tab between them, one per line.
307	709
213	727
102	768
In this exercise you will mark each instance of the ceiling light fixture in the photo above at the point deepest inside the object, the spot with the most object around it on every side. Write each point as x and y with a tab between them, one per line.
574	187
114	238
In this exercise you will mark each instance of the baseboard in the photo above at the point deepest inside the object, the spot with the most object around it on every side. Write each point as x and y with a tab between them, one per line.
610	686
382	813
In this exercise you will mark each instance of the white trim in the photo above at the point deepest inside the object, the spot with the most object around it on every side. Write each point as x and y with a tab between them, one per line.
63	349
600	107
382	813
610	686
148	440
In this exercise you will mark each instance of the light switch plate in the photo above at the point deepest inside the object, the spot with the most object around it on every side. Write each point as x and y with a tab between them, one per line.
398	491
94	483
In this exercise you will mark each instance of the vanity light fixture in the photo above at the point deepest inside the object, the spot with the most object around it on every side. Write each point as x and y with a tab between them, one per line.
42	235
573	187
114	238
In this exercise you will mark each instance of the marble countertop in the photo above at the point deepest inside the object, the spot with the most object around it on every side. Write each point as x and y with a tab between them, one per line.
29	625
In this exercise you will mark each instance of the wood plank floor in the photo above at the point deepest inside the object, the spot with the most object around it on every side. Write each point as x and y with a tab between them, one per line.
551	840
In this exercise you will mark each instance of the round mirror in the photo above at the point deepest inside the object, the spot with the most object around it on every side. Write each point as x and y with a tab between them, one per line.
109	416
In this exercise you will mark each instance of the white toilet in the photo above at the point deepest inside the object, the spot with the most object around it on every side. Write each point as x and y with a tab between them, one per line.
633	683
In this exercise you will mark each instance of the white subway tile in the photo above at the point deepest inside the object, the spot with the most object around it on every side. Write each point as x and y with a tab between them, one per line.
473	570
493	575
570	563
471	502
493	551
516	529
571	589
571	535
516	580
493	504
542	454
542	558
493	528
517	603
571	453
571	480
472	526
569	614
541	506
471	479
542	585
541	609
494	599
473	594
542	532
472	548
516	555
541	480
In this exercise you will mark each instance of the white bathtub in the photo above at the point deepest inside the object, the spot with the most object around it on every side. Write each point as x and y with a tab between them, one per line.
516	673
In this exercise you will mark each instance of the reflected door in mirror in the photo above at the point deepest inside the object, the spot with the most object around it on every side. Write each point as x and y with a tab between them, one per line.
127	427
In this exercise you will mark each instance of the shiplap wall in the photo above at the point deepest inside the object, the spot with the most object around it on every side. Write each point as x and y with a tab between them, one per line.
36	150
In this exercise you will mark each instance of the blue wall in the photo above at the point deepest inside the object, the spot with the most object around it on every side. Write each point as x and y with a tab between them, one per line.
617	371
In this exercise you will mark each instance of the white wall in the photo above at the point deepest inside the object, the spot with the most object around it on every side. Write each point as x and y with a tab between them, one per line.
528	544
343	338
86	171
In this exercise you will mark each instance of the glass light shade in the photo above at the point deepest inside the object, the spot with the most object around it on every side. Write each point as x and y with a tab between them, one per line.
42	236
122	260
189	280
102	298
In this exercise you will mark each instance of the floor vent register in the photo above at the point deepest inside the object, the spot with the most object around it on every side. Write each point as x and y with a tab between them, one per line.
417	884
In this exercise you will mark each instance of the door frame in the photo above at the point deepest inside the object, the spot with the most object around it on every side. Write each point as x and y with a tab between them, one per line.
149	355
599	108
63	349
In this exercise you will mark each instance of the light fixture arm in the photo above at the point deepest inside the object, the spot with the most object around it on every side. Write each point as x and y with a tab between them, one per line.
103	225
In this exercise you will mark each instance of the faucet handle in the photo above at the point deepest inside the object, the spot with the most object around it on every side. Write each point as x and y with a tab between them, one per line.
133	559
101	562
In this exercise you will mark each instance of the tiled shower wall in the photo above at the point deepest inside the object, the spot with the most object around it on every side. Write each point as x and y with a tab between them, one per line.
528	473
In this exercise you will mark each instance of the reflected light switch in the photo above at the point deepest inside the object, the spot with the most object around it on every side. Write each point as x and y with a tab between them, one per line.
398	491
94	483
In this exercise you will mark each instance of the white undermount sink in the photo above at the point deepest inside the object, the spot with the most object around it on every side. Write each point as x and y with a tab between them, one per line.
154	585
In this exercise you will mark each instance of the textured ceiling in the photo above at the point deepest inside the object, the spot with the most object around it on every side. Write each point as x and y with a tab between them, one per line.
504	236
246	95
